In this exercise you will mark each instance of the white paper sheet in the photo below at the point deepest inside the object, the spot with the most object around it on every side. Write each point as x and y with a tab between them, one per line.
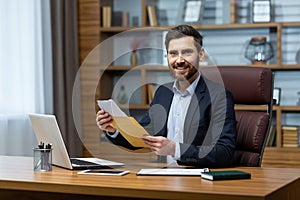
172	172
111	107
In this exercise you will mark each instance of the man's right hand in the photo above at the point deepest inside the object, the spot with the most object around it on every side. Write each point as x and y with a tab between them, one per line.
104	121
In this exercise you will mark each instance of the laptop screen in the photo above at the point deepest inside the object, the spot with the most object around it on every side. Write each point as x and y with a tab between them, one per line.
47	130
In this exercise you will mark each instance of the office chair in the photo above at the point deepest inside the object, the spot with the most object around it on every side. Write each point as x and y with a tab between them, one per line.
249	86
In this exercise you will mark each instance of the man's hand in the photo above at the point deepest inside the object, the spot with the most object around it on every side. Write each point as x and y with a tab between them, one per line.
160	145
104	121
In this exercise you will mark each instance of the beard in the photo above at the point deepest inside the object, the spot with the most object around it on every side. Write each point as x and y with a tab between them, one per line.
189	71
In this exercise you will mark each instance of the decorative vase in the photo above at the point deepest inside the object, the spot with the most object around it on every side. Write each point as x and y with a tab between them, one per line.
259	51
122	97
133	58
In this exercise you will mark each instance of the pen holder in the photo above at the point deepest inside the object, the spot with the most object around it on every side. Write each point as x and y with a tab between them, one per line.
42	159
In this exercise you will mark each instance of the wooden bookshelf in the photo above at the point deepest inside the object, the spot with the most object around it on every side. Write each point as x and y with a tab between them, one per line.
91	33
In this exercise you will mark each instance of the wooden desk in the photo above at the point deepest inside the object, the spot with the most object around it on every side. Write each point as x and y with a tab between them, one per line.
19	181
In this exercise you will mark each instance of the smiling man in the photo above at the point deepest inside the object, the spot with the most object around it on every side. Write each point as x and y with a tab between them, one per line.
192	120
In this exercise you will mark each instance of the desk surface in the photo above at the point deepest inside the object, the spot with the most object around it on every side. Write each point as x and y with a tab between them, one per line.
16	174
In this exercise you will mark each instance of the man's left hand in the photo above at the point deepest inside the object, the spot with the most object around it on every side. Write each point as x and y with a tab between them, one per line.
160	145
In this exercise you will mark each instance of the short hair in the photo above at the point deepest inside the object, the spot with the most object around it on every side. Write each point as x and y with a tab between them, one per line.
184	31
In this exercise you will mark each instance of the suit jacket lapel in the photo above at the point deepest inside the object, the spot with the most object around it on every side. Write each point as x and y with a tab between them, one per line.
168	98
193	113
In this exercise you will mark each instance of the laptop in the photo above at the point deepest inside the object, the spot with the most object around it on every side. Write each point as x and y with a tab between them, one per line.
46	129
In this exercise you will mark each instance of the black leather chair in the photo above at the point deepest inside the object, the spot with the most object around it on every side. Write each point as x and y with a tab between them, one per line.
249	86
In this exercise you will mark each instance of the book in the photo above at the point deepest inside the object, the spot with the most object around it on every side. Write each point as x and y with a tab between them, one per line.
225	175
125	19
290	135
272	135
120	18
162	17
152	15
128	127
117	18
150	92
290	128
106	16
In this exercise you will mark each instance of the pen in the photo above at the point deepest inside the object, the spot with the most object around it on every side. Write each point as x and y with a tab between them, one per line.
44	156
48	146
41	145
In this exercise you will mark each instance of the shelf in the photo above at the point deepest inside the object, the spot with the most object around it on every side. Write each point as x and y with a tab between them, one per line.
141	67
270	66
116	29
250	108
290	24
290	66
285	149
238	26
199	26
289	108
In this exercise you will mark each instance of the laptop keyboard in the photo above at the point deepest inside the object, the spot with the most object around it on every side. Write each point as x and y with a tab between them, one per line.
82	162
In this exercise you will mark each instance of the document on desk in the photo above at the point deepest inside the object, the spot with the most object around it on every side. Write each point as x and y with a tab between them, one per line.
172	172
130	129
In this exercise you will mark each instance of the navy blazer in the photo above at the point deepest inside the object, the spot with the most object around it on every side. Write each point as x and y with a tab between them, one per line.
209	127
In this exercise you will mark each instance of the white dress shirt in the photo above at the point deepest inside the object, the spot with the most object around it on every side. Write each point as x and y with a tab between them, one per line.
176	119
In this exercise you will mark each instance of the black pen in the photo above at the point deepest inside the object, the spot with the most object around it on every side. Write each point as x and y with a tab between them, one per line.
48	146
41	145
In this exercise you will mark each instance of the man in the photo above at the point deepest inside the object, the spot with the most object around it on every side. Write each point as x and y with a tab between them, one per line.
192	120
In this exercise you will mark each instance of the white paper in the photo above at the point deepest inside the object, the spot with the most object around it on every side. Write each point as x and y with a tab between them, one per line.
111	107
104	172
173	171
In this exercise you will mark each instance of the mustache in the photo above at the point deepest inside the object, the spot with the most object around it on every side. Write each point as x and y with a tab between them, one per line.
182	65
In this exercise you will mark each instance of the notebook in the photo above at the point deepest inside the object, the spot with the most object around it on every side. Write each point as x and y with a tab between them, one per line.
226	175
46	129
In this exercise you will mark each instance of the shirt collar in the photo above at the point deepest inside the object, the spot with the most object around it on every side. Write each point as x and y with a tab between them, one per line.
189	91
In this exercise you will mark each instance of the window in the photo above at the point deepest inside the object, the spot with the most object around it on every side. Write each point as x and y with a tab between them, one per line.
25	71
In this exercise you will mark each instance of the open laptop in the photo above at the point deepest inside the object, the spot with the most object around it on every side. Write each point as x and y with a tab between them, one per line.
47	130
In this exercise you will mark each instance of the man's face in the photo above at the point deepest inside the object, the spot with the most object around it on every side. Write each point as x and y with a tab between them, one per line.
183	58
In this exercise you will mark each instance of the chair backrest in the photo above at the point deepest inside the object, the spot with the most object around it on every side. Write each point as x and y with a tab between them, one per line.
249	86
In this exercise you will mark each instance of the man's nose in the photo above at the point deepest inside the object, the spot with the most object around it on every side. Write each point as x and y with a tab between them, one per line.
180	59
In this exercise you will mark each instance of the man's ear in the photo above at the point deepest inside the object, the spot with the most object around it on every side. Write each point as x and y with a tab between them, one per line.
201	54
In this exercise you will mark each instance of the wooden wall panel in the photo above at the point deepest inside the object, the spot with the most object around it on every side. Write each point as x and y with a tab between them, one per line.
88	32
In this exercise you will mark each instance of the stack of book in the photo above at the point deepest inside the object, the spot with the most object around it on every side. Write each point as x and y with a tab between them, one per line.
290	135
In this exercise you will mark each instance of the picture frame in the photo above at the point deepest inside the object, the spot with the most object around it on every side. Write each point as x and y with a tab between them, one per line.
276	96
192	11
261	11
